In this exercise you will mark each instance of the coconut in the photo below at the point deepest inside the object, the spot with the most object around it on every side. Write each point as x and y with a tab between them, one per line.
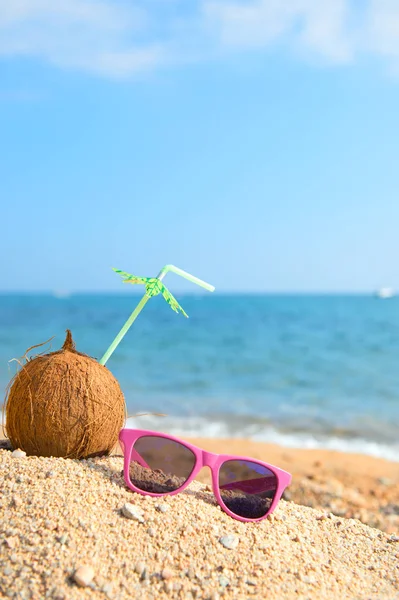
64	404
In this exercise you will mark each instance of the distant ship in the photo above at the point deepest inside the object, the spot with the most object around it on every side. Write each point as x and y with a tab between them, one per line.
385	292
61	294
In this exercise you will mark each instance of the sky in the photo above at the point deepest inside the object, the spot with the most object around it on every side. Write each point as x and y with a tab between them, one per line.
252	143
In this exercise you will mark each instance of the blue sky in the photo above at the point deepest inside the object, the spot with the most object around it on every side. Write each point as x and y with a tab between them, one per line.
254	144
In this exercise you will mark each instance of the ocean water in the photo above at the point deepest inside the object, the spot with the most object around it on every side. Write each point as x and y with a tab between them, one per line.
303	371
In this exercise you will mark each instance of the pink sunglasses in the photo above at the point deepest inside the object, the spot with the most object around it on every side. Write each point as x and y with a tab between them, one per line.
157	464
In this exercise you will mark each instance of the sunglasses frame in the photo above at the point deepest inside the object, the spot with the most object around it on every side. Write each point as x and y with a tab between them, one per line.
128	438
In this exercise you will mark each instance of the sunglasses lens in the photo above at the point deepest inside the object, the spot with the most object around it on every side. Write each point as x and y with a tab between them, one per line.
159	465
247	488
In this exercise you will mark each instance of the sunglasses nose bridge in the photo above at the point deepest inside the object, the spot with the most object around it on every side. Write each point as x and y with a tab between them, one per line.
209	459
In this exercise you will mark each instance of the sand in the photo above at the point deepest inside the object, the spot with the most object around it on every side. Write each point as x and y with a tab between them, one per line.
63	521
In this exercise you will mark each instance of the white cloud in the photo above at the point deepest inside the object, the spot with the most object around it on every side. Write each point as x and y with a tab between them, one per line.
84	11
123	37
310	25
383	28
326	29
337	30
97	36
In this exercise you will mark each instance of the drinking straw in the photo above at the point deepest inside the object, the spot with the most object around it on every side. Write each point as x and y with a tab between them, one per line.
144	301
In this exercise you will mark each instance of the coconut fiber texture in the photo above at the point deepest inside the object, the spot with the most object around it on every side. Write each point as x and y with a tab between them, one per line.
64	404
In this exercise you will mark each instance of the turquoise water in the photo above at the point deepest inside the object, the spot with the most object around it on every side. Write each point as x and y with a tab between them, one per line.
304	371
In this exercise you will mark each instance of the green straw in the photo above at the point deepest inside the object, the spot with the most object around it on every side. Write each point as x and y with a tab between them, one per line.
144	301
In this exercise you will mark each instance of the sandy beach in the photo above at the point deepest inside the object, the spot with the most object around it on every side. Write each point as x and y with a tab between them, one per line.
61	516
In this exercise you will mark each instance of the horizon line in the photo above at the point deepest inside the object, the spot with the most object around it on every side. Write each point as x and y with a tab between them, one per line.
68	293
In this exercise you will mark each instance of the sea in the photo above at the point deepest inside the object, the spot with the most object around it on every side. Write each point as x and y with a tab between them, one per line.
304	371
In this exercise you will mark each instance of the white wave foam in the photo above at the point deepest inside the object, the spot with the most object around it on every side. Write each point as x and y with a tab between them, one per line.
201	427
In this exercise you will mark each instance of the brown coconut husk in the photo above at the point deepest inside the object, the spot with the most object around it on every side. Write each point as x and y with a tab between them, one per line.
64	404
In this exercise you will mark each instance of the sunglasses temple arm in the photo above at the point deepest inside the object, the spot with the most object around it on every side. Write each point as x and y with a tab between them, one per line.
135	456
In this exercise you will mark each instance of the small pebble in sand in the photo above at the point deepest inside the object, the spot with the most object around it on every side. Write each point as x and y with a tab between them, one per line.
12	542
229	541
83	575
18	453
322	517
139	567
223	581
16	501
385	481
167	573
163	508
63	539
130	511
107	589
168	587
